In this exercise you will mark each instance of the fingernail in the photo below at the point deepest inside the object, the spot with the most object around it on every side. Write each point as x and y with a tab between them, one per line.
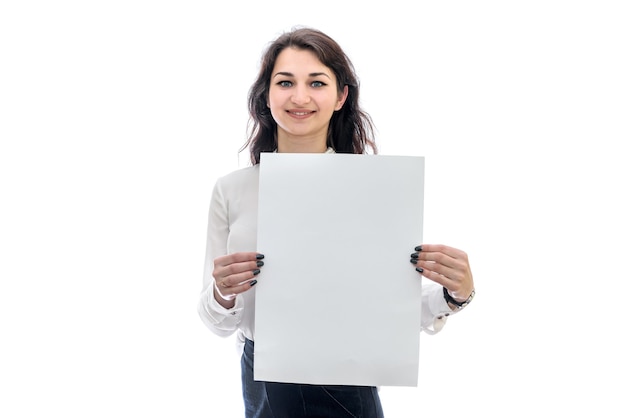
259	263
255	272
414	260
418	248
419	269
415	255
252	283
260	256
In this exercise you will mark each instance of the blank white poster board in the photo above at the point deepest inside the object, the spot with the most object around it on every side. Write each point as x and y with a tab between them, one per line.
339	302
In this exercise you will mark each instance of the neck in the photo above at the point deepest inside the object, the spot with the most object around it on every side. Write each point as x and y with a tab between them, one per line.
302	146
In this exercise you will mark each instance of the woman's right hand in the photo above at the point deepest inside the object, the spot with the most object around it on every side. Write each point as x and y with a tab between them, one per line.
235	273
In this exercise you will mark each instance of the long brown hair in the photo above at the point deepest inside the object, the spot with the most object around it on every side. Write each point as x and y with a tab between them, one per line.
351	130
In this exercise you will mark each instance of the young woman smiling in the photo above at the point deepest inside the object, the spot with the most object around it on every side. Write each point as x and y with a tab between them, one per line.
304	100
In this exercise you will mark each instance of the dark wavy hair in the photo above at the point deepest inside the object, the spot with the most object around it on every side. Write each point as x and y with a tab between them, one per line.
351	130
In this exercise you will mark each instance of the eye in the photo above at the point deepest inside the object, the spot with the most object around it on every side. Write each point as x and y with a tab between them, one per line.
318	84
285	83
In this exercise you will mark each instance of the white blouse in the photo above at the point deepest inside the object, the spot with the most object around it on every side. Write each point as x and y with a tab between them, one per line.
232	227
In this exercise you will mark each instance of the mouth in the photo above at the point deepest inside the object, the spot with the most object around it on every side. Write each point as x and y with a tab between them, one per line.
300	113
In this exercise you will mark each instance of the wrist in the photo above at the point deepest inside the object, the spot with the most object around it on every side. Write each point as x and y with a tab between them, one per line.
454	304
225	302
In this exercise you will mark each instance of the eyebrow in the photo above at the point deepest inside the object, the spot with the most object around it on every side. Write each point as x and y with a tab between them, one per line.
288	74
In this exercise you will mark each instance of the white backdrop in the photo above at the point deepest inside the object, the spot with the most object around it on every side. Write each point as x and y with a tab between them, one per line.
117	117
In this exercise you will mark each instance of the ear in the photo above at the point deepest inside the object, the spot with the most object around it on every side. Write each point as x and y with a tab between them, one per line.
342	98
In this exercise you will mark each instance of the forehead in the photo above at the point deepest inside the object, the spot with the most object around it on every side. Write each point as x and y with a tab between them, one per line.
299	62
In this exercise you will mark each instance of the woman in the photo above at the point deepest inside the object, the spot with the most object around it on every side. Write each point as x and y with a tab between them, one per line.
305	100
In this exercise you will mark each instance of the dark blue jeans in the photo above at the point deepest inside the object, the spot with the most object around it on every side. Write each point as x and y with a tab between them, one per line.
288	400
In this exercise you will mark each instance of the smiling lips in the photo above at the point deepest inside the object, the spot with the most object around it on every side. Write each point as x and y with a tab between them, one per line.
300	114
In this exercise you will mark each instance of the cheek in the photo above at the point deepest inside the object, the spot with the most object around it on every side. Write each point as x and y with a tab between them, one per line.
275	98
333	103
270	95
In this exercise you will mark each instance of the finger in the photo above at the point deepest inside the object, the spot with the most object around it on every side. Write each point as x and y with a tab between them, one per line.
236	263
229	292
434	276
236	269
448	257
441	263
444	249
458	282
447	272
445	265
226	260
438	262
238	279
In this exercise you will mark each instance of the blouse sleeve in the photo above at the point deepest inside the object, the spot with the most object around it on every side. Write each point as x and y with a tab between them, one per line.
218	319
435	310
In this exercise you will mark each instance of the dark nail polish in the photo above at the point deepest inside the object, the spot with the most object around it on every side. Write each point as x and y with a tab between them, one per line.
252	283
255	272
418	248
419	269
259	263
260	256
414	260
415	255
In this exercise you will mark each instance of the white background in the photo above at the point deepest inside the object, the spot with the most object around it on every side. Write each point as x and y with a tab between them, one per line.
117	117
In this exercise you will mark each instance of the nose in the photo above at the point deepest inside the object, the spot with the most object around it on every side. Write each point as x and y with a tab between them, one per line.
300	95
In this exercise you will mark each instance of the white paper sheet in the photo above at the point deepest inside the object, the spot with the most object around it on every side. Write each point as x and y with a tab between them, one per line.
338	301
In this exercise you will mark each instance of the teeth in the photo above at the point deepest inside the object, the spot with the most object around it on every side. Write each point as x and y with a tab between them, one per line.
300	113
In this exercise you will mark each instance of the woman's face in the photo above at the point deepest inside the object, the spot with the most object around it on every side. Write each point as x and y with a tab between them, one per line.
302	99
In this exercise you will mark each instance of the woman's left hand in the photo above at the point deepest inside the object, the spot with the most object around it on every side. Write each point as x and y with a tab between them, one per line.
447	266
